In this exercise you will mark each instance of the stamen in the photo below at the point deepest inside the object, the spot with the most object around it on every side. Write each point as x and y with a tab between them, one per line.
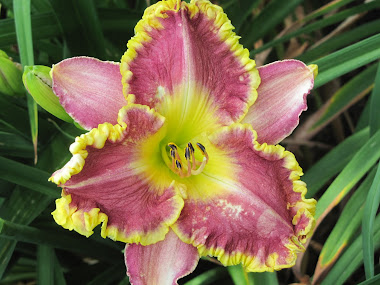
187	153
172	153
194	167
201	147
172	146
190	145
187	156
178	164
203	150
192	150
201	167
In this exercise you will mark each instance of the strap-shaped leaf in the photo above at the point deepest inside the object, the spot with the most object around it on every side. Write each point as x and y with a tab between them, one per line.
351	259
333	162
347	59
345	228
363	160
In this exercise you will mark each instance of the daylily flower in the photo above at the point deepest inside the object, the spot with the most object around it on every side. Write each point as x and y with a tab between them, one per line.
185	163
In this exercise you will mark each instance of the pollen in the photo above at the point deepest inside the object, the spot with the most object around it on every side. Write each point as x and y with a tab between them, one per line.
192	166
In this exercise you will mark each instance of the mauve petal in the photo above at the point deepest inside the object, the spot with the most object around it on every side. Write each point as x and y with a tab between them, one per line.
115	177
281	99
162	263
186	56
256	214
90	90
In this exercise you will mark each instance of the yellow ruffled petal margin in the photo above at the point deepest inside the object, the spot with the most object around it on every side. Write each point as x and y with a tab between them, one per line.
95	138
70	217
151	20
304	207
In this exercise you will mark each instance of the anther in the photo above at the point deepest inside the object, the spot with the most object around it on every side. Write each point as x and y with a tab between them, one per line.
203	150
193	166
172	153
178	164
172	146
190	145
187	153
201	147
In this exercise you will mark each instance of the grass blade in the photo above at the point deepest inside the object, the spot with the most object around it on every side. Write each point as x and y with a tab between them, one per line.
374	117
15	145
87	14
45	264
346	96
238	275
59	277
347	225
335	18
370	209
113	273
342	40
25	44
262	278
273	14
208	277
372	281
11	210
347	59
333	162
351	259
27	176
363	160
57	239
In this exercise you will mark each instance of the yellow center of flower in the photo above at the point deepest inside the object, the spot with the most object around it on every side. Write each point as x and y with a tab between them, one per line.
191	166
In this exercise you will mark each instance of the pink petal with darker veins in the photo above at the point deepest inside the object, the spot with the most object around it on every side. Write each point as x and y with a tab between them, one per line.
281	99
90	90
162	263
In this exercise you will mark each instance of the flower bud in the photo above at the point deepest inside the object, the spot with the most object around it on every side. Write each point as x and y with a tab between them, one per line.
10	76
38	82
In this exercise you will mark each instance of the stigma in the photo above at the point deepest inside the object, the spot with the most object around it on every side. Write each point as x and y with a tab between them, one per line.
191	166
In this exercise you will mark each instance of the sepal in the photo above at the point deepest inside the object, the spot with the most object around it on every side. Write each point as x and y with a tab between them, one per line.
38	82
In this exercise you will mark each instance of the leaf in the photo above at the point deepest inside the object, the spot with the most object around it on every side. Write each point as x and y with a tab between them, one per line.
59	277
27	176
272	14
113	273
346	96
335	18
342	40
345	228
370	209
45	264
333	162
362	161
347	59
374	117
86	13
208	277
240	11
372	281
43	26
60	240
15	145
25	44
263	278
238	275
351	259
21	207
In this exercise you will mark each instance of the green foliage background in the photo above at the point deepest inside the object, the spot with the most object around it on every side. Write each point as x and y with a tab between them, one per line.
337	142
